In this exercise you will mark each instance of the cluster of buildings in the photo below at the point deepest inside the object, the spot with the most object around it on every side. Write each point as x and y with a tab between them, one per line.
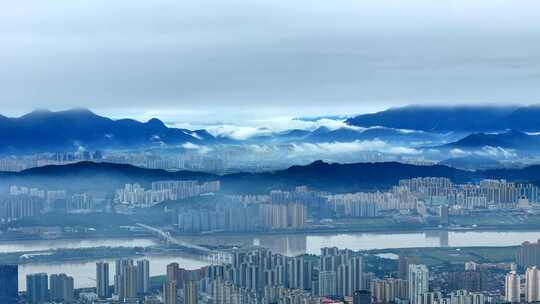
258	276
237	214
226	216
40	288
18	207
417	199
528	254
486	194
21	202
134	195
412	200
523	288
131	284
182	161
131	280
19	163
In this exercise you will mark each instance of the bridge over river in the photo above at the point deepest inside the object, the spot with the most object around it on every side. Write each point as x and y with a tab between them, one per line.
215	256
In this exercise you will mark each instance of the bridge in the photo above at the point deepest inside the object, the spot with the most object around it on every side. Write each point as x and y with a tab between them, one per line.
215	256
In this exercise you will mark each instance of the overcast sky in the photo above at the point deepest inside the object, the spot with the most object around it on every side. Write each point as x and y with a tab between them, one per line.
232	60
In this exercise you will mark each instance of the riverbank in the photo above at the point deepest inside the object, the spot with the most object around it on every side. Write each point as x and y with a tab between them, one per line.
489	221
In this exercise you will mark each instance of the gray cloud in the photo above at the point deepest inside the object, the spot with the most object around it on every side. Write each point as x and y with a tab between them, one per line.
230	58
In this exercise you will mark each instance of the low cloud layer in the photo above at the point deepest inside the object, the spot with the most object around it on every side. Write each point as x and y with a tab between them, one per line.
198	148
486	151
269	126
313	149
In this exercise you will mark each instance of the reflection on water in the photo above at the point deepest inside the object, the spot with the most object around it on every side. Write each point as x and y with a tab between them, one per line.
442	236
290	245
294	244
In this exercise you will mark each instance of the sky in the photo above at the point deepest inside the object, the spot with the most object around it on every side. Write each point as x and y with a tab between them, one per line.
251	62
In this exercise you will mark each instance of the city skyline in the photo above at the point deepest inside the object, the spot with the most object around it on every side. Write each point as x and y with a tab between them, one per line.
270	152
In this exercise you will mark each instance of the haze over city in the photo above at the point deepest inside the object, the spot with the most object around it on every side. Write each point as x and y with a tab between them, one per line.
270	152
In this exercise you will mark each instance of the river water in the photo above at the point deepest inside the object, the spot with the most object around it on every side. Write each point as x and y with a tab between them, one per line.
289	244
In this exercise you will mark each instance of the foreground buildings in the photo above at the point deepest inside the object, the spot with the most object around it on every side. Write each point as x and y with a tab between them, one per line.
258	276
9	284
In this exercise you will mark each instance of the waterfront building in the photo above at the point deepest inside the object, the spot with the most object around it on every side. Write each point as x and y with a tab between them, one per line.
9	284
37	288
102	280
143	277
125	279
61	288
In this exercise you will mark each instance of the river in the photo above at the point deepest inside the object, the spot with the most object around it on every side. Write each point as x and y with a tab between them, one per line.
289	244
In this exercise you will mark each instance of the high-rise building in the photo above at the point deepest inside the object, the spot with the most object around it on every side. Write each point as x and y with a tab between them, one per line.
512	287
37	288
355	274
178	275
327	283
418	282
9	284
102	280
300	270
467	280
532	284
61	288
172	271
130	282
403	266
143	276
389	290
119	275
191	294
169	292
528	254
348	269
362	297
432	297
125	279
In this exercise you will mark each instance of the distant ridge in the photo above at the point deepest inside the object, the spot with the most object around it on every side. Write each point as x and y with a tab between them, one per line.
46	131
317	175
511	139
458	118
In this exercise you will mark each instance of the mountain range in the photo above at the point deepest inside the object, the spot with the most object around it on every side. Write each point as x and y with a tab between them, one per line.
417	126
454	119
318	175
46	131
511	139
